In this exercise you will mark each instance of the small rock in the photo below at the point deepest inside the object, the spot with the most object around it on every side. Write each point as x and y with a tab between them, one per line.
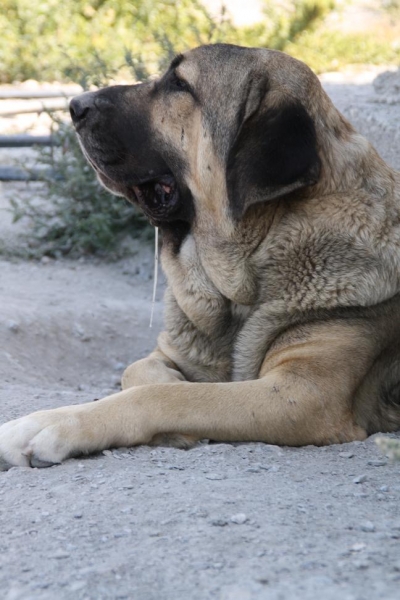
368	527
13	326
274	469
119	366
239	519
377	463
42	585
60	554
346	454
361	564
384	488
235	592
358	546
215	476
77	586
220	522
360	479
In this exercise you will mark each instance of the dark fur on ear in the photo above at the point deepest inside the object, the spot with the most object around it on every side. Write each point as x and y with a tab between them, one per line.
274	153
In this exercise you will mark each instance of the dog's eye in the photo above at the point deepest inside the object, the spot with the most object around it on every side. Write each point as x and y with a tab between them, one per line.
179	84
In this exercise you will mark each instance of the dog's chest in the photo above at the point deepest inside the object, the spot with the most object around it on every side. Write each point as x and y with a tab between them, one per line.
199	288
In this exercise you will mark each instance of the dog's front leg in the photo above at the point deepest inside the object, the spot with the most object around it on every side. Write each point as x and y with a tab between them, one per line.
280	408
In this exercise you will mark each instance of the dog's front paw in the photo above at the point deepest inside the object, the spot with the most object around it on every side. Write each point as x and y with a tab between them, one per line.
40	439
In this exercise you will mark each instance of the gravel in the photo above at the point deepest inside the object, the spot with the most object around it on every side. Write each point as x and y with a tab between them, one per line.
223	521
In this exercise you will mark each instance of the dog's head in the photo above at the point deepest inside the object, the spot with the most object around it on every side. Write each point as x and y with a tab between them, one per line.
223	129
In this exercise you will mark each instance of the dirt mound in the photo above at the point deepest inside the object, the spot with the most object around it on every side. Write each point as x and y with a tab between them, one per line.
388	83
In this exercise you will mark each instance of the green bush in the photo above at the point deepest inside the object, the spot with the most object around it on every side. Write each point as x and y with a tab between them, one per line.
331	50
42	39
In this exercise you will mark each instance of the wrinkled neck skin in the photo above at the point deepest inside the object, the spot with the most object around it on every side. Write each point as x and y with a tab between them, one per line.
235	287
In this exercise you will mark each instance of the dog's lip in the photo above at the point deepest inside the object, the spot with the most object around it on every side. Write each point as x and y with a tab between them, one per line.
158	197
167	182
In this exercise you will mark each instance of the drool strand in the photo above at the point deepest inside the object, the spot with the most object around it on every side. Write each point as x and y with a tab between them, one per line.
155	276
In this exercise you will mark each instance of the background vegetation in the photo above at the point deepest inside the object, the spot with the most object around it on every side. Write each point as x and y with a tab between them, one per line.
94	42
59	40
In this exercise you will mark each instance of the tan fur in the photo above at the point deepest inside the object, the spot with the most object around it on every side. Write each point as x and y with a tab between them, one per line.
281	326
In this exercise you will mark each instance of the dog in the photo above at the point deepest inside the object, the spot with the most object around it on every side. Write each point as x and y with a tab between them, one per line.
281	247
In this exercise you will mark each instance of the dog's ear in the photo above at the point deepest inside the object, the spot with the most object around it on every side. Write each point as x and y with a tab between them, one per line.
274	154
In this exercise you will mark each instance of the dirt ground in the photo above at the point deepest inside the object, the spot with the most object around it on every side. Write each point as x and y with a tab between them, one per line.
230	522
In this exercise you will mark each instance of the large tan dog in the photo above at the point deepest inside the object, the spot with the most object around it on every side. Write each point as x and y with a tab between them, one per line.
281	245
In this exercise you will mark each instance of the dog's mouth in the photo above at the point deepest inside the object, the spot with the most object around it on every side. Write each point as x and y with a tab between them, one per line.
158	198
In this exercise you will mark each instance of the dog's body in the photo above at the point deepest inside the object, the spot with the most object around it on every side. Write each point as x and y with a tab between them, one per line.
281	246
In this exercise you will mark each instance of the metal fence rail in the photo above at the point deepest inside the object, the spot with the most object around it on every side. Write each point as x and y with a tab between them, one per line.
24	140
38	106
37	94
43	100
18	174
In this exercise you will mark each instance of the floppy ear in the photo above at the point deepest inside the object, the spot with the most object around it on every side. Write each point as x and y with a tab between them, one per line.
273	154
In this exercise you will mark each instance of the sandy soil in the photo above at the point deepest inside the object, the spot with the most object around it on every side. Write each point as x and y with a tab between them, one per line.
231	522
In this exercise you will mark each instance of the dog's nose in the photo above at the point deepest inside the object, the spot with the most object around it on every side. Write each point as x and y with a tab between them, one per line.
80	106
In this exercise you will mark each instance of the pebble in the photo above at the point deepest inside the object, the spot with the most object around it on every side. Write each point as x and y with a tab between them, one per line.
119	366
360	479
239	519
368	527
220	522
361	564
384	488
358	546
13	326
60	554
377	463
77	586
215	476
346	454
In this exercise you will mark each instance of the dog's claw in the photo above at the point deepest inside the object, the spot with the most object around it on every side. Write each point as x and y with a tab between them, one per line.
41	464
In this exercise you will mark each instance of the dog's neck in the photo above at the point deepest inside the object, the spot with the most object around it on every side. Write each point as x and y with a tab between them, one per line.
223	254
